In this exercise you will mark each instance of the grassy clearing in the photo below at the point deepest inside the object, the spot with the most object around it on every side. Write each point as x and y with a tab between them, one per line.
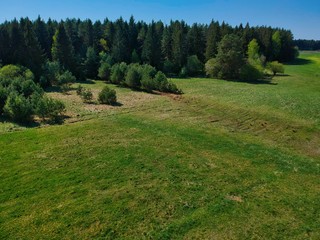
226	160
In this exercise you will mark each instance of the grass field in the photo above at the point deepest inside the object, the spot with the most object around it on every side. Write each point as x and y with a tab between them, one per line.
226	160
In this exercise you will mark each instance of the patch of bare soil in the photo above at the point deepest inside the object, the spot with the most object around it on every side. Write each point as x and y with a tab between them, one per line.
234	198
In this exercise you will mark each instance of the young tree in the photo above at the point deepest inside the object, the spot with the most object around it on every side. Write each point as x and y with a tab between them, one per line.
276	45
275	67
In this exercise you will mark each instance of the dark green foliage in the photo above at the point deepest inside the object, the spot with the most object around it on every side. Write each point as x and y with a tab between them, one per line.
65	80
229	59
91	64
51	72
135	57
63	51
75	44
213	38
107	96
3	97
194	66
104	71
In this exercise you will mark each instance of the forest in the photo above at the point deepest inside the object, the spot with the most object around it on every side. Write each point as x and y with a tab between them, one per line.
76	44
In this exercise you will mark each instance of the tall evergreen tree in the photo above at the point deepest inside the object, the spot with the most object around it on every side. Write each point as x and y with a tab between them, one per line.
213	38
62	49
91	63
42	33
33	52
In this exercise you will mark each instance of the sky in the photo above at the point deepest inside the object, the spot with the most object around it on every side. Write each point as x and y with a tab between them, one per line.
302	17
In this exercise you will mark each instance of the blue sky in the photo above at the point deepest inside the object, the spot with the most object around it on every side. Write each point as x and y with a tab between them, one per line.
301	16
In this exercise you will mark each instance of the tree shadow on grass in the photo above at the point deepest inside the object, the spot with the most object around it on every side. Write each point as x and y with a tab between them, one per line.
30	124
300	61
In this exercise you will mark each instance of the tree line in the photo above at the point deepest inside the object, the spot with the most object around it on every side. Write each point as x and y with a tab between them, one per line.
175	48
304	44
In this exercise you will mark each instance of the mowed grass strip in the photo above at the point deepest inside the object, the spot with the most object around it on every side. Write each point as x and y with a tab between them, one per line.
167	169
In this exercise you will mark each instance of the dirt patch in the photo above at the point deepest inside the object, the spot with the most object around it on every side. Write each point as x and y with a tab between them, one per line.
234	198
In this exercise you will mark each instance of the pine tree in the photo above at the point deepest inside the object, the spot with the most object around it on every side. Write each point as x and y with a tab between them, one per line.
179	48
213	38
62	50
42	33
33	51
91	63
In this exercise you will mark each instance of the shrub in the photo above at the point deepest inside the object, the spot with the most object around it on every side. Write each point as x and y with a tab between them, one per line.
211	68
250	73
107	96
86	95
3	97
133	77
18	108
194	67
65	80
50	108
12	72
117	74
104	71
168	67
183	73
79	90
51	73
275	67
148	83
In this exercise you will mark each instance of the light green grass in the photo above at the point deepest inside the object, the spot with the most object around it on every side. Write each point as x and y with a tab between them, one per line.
226	160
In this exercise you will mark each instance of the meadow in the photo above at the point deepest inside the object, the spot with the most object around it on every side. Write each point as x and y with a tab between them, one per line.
225	160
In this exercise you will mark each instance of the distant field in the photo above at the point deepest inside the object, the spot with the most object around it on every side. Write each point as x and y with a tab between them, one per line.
225	160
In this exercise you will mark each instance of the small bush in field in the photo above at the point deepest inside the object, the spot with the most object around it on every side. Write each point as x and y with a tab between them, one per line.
86	95
107	96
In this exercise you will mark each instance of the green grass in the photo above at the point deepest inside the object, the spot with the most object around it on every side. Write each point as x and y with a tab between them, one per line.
226	160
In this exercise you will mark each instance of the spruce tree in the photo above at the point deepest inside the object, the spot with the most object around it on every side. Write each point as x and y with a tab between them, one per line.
62	50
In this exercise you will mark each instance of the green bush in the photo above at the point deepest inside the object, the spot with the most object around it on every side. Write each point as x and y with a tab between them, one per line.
79	90
13	72
250	73
3	97
18	108
148	83
118	72
132	79
65	80
50	108
183	73
86	95
104	71
194	66
51	73
211	68
275	67
107	96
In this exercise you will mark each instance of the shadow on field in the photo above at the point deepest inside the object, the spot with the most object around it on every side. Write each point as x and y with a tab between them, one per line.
300	61
267	81
31	124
